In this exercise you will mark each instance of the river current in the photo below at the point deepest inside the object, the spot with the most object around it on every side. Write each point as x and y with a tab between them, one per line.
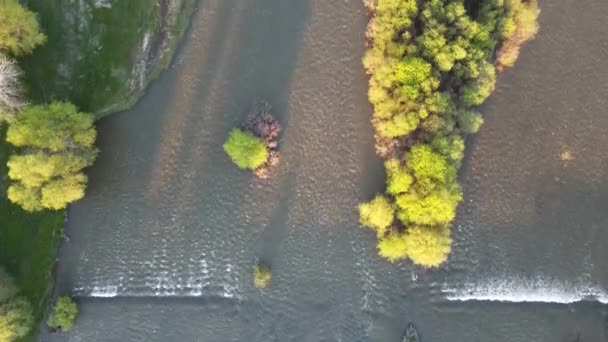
162	247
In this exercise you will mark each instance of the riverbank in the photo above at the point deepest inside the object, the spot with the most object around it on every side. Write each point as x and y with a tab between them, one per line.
100	56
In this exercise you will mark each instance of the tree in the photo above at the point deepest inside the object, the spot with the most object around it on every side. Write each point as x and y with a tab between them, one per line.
439	207
378	214
519	26
64	314
57	127
57	142
10	89
261	275
426	163
19	29
428	246
16	319
393	247
398	177
245	149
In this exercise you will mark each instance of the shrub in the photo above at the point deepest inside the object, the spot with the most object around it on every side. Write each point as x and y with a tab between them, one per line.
58	144
245	149
19	28
393	247
427	246
64	314
261	276
15	319
378	214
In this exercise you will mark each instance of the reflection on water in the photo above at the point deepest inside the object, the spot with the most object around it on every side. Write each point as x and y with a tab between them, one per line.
162	246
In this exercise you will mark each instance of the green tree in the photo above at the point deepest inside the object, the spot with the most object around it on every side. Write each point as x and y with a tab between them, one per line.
57	144
245	149
57	127
378	214
398	177
64	314
439	207
261	275
393	247
428	246
478	90
518	26
15	319
428	164
19	28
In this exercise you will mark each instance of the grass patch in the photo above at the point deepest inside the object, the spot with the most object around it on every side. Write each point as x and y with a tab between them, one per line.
28	243
91	52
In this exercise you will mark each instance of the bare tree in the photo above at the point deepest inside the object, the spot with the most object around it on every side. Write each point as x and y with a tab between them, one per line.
11	99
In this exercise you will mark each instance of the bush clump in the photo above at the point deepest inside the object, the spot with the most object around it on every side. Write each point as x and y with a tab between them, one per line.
430	63
64	314
261	275
16	317
56	143
245	149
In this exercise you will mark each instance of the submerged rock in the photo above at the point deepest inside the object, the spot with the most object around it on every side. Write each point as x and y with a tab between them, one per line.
411	334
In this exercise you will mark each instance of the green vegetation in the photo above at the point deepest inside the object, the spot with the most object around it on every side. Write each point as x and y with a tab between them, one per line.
430	62
56	144
246	150
392	247
16	318
28	241
101	54
377	214
261	276
20	31
64	314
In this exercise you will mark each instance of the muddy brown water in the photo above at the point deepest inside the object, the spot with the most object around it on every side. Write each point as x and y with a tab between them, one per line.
162	246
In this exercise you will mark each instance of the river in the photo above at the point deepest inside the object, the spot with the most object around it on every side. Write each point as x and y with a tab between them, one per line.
162	247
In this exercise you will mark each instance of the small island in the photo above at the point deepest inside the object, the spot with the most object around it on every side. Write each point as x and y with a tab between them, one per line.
254	146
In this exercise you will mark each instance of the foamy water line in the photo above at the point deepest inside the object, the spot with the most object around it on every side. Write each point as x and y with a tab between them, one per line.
521	291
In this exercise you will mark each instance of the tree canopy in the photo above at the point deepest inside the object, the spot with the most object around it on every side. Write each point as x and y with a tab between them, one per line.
56	143
430	62
245	149
19	29
378	214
